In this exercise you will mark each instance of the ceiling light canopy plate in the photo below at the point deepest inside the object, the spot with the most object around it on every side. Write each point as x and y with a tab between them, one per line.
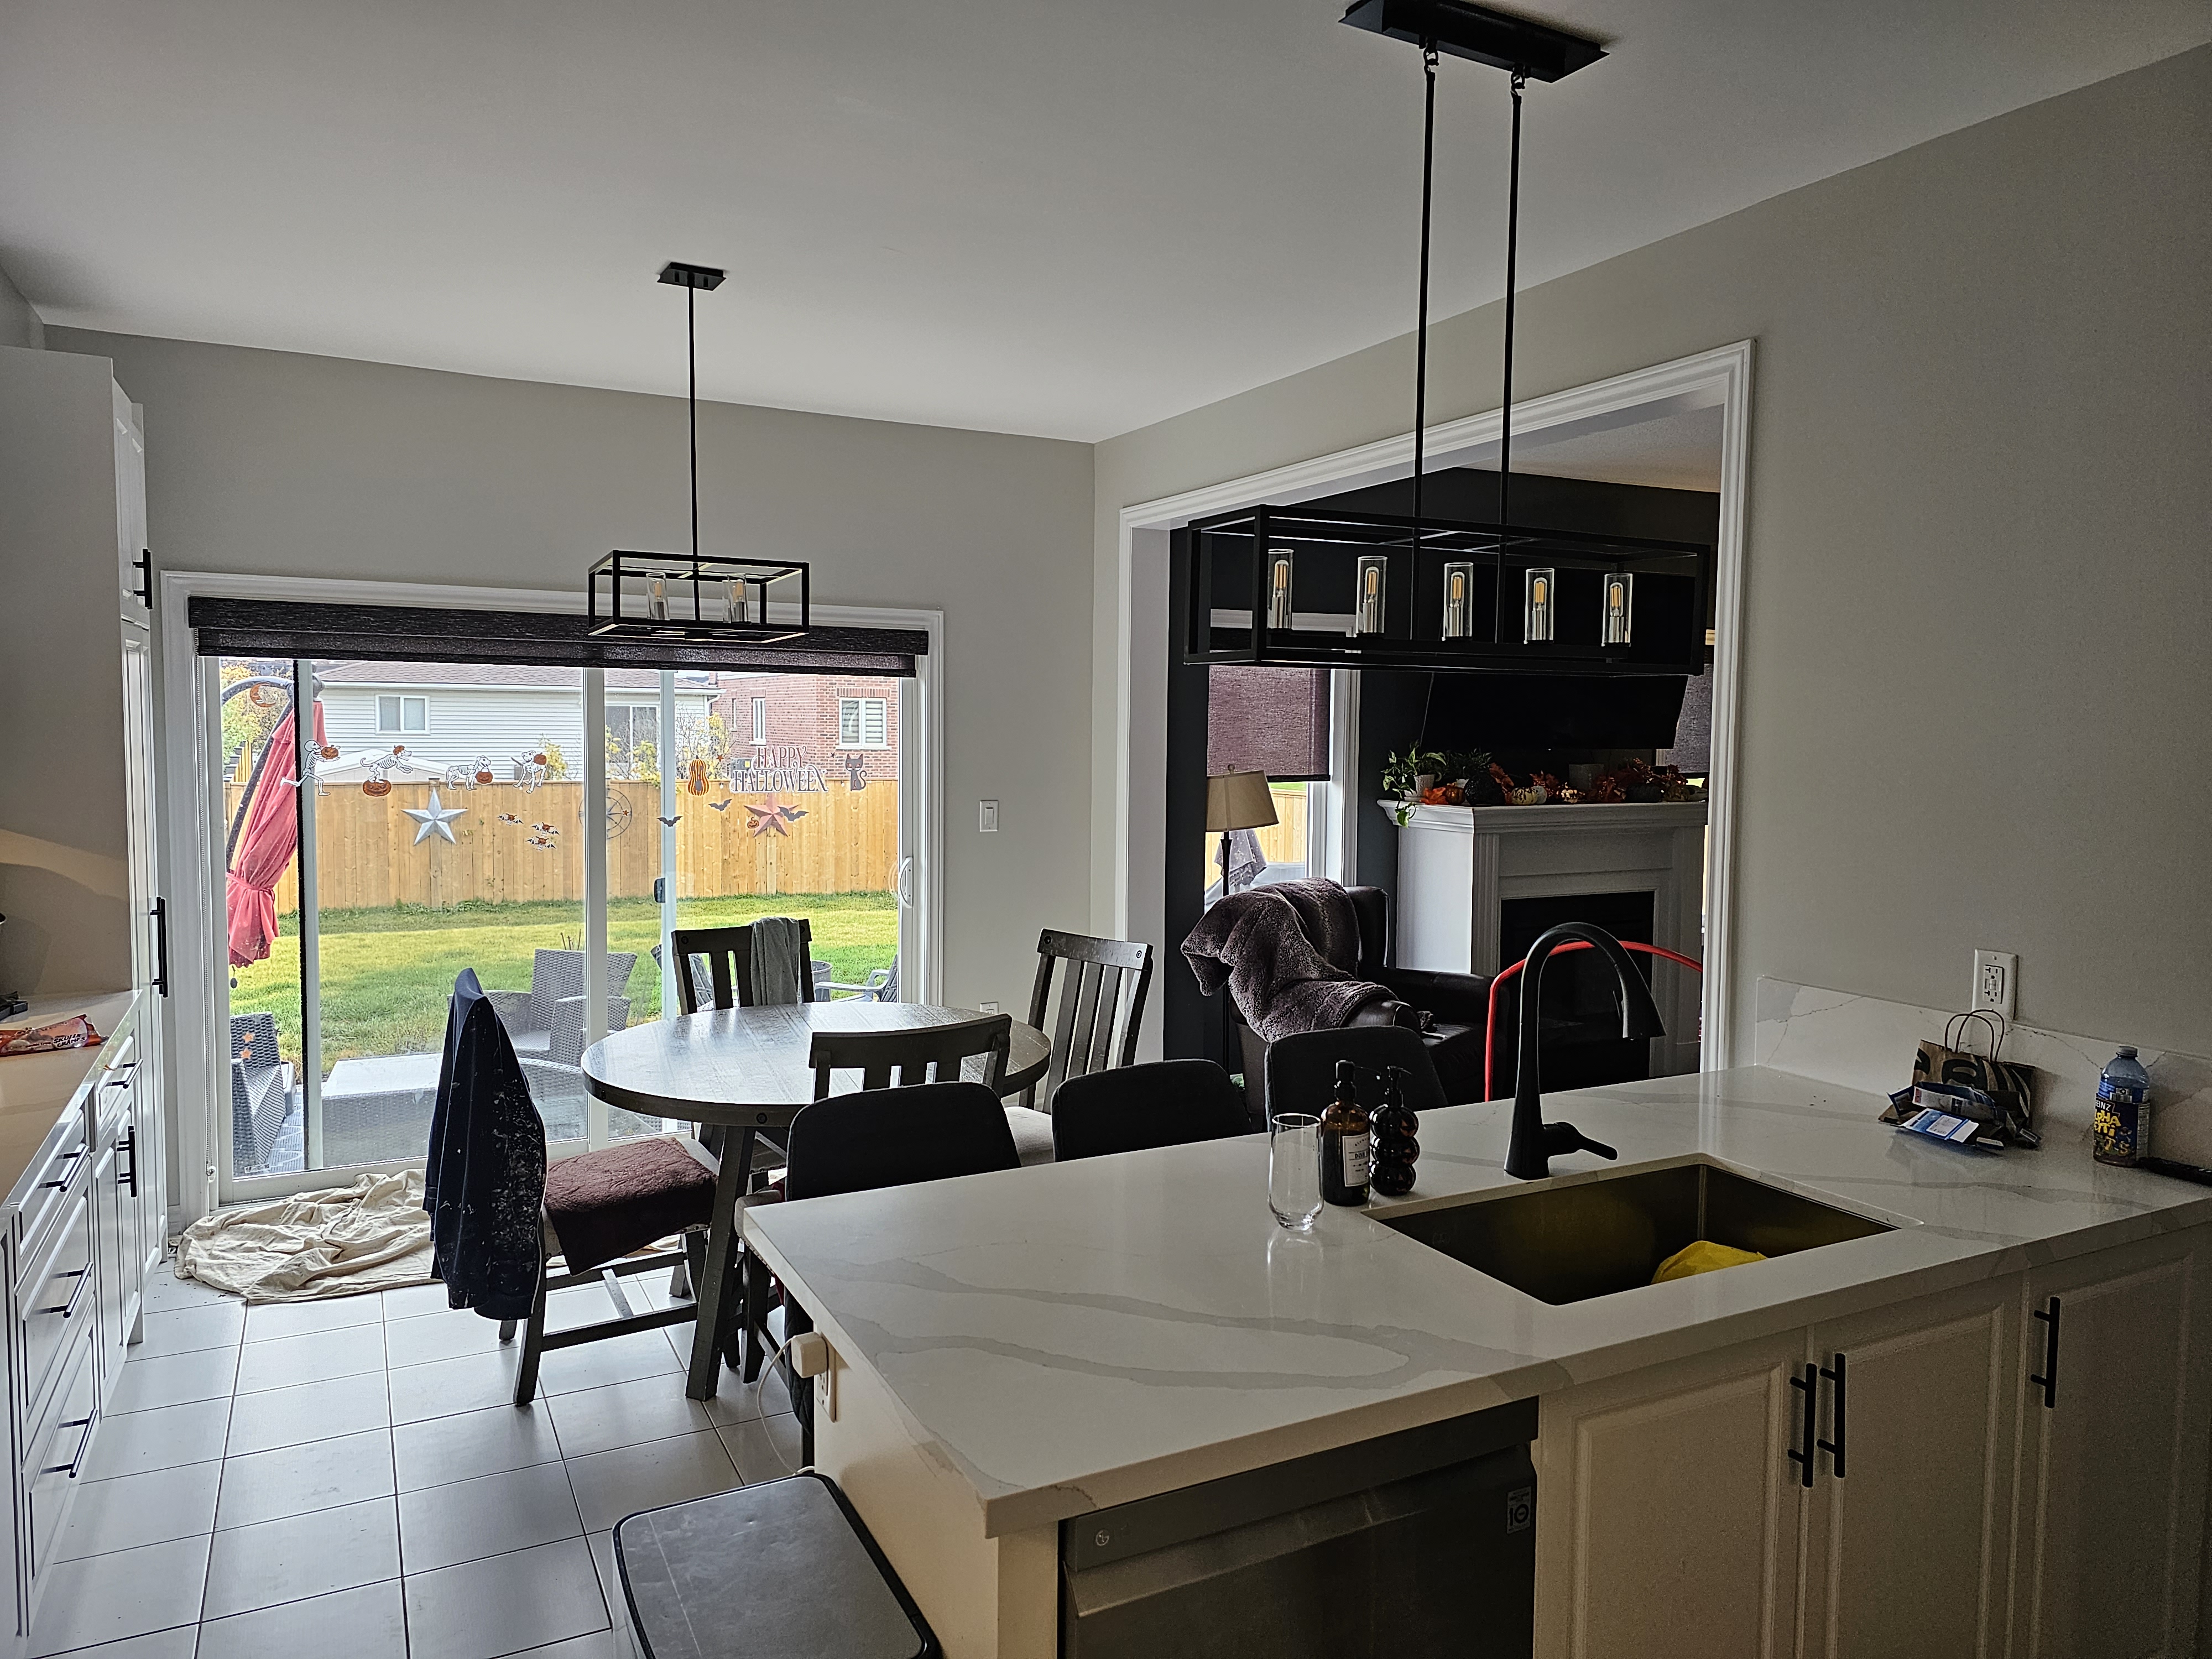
705	278
1487	36
698	598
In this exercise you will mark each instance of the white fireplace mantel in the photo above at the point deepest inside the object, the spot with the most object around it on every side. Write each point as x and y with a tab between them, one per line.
1458	865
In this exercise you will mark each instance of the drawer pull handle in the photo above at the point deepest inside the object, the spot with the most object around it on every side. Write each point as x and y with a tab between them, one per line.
84	1440
1809	1386
1835	1448
68	1309
2048	1380
61	1182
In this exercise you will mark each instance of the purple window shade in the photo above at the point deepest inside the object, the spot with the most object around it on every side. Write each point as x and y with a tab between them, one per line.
1268	720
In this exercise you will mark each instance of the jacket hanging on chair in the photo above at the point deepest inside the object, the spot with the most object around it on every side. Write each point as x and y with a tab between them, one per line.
484	1173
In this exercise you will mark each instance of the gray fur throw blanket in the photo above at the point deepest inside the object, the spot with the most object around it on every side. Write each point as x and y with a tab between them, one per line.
1286	953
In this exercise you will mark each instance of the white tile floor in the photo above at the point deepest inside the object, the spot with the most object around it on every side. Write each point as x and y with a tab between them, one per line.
276	1480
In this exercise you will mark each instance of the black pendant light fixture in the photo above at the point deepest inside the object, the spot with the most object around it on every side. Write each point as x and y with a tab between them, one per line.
1324	586
700	598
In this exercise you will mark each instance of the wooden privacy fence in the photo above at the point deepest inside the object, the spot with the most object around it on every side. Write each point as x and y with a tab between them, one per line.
367	857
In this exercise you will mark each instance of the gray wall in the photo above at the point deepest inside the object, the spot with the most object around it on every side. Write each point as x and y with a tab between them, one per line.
270	462
1978	655
19	324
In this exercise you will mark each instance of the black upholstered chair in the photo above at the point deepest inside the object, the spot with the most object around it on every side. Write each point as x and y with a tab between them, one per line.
1449	1011
889	1138
1167	1103
1301	1069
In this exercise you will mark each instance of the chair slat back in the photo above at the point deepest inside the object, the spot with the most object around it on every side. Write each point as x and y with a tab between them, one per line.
922	1054
729	954
1102	1004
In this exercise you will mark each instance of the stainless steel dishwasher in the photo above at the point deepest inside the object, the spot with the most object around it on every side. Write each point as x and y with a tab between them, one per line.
1421	1542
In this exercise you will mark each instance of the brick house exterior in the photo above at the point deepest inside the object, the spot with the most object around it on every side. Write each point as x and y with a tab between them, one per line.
834	721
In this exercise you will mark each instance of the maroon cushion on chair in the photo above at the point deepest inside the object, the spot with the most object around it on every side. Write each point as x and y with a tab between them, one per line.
606	1204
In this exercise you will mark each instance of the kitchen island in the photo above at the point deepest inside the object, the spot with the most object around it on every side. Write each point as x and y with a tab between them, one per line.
1013	1351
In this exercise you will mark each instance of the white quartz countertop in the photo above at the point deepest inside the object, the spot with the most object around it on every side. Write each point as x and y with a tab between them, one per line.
1074	1335
36	1089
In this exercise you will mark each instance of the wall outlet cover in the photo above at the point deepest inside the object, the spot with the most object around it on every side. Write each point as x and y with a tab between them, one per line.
987	816
987	1007
1995	975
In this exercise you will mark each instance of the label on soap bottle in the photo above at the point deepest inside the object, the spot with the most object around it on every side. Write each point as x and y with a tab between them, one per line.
1355	1160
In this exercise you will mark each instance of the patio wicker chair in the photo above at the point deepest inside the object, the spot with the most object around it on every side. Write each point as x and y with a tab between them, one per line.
881	984
260	1091
546	1022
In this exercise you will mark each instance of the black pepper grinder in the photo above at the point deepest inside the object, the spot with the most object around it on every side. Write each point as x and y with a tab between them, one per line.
1396	1128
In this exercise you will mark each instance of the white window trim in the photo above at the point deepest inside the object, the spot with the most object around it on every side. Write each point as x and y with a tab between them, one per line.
402	730
200	1064
760	721
860	722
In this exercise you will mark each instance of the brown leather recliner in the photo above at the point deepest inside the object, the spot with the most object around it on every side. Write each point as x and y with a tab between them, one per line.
1450	1010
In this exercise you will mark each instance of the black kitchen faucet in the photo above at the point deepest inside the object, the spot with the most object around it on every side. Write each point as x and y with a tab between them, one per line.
1536	1142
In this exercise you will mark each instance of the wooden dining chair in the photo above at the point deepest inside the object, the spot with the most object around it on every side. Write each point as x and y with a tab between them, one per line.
729	955
920	1053
1102	1004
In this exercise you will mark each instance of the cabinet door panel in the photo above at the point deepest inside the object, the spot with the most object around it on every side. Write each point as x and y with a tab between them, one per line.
2113	1469
1905	1553
1680	1535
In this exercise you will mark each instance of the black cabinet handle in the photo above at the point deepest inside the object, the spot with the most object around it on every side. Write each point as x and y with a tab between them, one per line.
1835	1448
130	1177
144	564
84	1440
61	1182
68	1309
161	946
1809	1386
2048	1380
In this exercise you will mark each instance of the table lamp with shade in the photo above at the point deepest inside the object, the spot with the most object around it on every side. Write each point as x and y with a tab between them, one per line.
1237	800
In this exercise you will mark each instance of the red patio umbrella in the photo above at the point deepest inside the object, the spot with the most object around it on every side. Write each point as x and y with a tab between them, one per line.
263	847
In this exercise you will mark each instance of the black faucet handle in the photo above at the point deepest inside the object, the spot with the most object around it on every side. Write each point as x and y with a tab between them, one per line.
1560	1139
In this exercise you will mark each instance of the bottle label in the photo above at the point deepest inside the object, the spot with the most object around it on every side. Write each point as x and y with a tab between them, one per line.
1355	1160
2121	1126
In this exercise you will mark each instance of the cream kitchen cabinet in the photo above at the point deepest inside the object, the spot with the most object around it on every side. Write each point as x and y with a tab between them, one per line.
2114	1425
1667	1514
1948	1476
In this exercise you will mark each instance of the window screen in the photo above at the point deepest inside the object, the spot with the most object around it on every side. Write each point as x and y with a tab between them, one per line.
1268	720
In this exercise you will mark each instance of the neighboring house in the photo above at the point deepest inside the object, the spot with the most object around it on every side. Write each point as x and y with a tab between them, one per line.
451	713
833	721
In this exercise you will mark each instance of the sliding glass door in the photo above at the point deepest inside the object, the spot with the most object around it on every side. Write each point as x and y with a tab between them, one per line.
422	818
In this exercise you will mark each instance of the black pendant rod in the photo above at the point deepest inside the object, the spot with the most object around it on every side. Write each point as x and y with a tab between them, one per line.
1421	347
691	356
1505	397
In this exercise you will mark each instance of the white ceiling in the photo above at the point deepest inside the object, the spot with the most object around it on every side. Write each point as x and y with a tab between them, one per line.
1026	215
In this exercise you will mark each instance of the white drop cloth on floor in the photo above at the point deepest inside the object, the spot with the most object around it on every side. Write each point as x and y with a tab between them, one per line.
344	1241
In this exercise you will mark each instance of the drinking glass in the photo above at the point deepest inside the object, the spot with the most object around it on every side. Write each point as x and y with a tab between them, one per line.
1294	1170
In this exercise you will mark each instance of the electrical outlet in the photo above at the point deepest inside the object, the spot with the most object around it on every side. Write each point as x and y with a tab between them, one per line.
987	1007
987	816
1994	971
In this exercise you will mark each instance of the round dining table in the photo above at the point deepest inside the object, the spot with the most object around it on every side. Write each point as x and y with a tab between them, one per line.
739	1072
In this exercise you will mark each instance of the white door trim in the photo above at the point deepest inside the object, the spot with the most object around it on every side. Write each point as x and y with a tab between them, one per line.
186	719
1721	376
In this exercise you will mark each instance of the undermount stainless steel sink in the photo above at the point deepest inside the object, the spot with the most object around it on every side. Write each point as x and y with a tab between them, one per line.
1587	1238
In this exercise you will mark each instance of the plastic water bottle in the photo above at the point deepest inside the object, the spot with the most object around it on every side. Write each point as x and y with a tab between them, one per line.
2123	1132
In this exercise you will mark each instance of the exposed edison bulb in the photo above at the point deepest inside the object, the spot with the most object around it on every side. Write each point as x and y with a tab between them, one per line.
1459	601
1279	589
656	597
1619	607
1536	608
1373	569
737	599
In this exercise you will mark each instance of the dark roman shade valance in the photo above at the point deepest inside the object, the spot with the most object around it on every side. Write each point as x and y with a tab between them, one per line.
394	633
1268	719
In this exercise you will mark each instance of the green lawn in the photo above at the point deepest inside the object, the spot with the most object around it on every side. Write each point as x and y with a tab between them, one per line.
386	974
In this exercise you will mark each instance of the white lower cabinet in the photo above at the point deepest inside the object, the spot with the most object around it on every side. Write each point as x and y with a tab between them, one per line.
1664	1524
1950	1511
2112	1455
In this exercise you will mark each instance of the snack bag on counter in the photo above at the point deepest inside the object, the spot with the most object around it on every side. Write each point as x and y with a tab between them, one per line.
75	1032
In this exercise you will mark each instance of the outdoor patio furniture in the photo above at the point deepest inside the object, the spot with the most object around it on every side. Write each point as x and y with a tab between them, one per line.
260	1091
881	984
546	1022
378	1110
